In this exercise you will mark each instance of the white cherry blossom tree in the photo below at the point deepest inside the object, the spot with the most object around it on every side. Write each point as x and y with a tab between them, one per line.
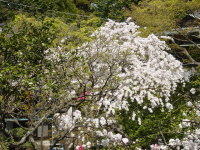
119	65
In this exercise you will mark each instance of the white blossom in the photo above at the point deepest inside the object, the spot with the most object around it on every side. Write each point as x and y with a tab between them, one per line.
189	104
139	121
102	121
125	140
169	106
105	142
192	90
186	123
133	116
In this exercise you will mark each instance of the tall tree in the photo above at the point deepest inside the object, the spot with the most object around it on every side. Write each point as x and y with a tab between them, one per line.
32	65
81	87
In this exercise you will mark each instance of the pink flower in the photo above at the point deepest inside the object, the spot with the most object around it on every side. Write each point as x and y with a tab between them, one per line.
83	95
80	148
156	147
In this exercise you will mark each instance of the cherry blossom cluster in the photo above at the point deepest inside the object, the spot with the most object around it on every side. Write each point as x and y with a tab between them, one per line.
139	68
121	65
69	119
190	142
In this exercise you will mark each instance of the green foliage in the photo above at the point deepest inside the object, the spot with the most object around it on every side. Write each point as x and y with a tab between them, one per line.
136	1
75	32
194	52
152	125
80	31
3	144
22	52
59	5
5	13
18	132
83	5
26	145
25	69
112	9
39	8
23	46
159	15
21	43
